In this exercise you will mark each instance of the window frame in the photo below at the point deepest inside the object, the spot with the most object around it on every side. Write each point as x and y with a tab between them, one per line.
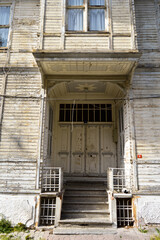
50	132
8	25
86	24
121	132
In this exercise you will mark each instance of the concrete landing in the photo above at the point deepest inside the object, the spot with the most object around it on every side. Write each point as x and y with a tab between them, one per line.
83	231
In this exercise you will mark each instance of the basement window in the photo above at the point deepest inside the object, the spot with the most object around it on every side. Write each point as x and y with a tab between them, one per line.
85	113
47	211
85	15
4	25
124	212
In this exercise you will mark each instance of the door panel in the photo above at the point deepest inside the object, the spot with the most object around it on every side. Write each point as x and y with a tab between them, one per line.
77	165
108	149
88	149
92	149
63	155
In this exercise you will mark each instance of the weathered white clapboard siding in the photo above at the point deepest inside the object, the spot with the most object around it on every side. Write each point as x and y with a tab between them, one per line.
20	131
3	58
148	81
148	176
1	79
123	43
151	59
25	32
51	43
53	16
17	176
22	60
121	16
86	42
24	84
146	24
147	118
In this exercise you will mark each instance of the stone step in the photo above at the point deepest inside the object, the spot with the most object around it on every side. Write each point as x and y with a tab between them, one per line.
85	198
86	206
79	192
85	179
84	231
84	203
85	188
86	222
84	214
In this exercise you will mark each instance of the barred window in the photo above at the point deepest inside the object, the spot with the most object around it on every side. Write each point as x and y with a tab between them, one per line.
85	113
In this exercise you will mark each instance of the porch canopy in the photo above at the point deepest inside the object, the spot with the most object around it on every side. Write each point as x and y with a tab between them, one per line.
101	67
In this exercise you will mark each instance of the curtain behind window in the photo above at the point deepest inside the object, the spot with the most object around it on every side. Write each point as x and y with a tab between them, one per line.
96	19
97	2
4	21
4	15
75	19
75	2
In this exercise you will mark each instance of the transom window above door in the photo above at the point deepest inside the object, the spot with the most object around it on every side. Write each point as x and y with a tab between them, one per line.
86	15
85	113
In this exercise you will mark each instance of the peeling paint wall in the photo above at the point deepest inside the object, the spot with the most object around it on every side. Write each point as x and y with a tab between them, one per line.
147	210
18	208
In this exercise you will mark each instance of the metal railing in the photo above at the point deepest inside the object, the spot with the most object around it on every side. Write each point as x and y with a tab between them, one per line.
116	179
52	179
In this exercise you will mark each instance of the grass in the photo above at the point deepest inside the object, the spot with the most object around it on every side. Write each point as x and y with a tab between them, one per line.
156	237
28	237
5	226
10	237
142	230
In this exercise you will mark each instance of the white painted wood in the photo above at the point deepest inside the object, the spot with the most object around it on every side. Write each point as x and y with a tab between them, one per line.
63	148
92	149
78	149
108	148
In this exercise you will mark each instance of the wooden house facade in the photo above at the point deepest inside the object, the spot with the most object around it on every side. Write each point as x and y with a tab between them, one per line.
79	94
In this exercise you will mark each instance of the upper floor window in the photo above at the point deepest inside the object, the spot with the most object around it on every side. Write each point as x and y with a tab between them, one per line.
86	15
4	25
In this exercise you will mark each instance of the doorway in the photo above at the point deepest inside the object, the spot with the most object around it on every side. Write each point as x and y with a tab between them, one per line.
84	139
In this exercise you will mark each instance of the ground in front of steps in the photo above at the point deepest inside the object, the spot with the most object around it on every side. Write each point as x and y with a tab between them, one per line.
117	234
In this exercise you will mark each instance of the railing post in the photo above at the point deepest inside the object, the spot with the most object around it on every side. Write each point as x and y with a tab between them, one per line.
60	179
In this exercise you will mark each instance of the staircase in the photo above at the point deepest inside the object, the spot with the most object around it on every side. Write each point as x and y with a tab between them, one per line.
85	207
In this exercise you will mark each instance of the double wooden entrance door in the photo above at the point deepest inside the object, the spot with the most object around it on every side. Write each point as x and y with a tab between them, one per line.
85	149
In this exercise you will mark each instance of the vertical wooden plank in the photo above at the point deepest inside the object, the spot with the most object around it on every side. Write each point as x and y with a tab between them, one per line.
42	16
63	24
132	16
110	24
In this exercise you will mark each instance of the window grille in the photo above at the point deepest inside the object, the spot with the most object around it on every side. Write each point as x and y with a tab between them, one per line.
124	212
85	113
47	211
4	25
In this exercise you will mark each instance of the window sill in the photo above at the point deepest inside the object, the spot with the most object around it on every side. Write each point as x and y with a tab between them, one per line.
3	49
88	34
